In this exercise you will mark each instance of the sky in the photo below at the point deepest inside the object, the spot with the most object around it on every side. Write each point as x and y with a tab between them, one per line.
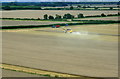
58	0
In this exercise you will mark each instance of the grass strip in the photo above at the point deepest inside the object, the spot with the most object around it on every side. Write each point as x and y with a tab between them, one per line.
46	73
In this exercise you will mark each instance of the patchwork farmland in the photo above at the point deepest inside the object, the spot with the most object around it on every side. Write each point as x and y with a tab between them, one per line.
75	47
90	50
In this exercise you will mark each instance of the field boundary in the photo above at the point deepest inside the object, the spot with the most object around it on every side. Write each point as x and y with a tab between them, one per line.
64	20
40	72
78	22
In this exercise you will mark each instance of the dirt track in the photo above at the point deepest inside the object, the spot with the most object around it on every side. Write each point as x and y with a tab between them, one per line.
63	54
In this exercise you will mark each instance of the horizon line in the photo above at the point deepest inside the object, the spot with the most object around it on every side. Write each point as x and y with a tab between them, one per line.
60	1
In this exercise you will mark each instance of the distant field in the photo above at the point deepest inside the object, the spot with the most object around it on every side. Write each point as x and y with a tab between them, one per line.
97	5
18	23
101	18
41	13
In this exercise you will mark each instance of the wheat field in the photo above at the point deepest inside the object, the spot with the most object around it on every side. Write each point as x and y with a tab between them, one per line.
41	13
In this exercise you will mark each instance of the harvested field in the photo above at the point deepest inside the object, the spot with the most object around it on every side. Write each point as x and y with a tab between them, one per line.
116	18
40	13
111	29
18	23
100	28
82	54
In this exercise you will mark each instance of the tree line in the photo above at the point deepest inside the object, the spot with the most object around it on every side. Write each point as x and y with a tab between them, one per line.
64	17
80	15
7	7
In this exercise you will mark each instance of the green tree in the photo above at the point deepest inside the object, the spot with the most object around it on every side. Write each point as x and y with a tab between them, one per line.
68	16
118	13
80	15
51	17
58	16
45	16
96	8
7	8
103	15
84	7
71	7
88	6
111	8
72	16
118	6
78	6
38	18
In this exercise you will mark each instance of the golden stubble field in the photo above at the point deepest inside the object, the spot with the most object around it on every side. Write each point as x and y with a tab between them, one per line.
99	28
18	23
41	13
115	18
82	54
79	53
109	31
